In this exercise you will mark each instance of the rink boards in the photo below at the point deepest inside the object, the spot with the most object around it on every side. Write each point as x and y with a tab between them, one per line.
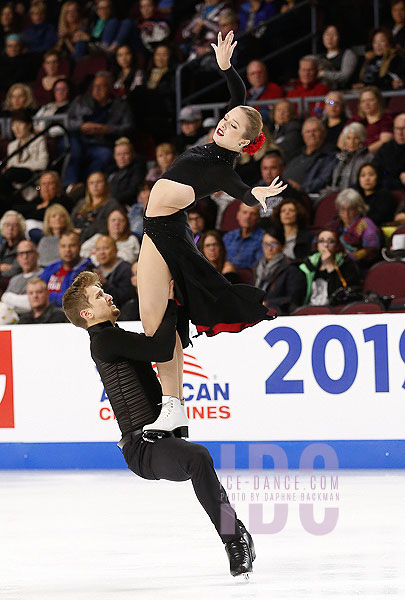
294	392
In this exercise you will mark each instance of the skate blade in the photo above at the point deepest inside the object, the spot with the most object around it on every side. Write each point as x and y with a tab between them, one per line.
181	432
151	435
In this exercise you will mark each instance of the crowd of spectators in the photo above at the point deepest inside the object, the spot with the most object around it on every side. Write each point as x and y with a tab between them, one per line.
103	75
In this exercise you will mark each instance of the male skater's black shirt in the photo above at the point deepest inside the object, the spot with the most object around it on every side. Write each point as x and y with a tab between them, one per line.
124	360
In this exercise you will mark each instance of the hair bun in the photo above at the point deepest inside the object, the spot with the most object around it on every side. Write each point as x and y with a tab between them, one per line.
255	145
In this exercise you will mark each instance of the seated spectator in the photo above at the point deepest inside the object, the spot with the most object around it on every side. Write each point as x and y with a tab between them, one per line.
15	64
118	229
191	128
196	222
155	99
15	295
312	169
61	92
335	118
309	84
71	30
152	28
106	31
165	156
95	121
384	66
213	248
349	160
59	275
125	177
377	122
130	309
19	97
254	12
261	88
12	229
286	129
42	311
229	21
381	204
56	222
358	234
24	164
336	66
40	36
135	213
272	166
325	271
244	245
50	192
203	28
9	23
275	274
114	273
291	217
398	17
90	214
390	158
128	76
53	71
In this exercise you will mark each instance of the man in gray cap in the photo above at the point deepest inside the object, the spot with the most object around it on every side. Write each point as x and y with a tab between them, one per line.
191	128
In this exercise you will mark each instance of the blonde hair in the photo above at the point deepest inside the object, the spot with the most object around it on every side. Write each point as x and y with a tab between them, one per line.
75	299
165	147
87	205
255	123
29	103
377	95
55	209
124	141
62	24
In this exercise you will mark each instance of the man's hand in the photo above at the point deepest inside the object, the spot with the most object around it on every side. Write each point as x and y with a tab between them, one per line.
224	50
90	128
4	267
402	177
171	289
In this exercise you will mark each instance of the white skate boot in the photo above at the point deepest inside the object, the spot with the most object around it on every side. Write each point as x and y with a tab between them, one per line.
172	421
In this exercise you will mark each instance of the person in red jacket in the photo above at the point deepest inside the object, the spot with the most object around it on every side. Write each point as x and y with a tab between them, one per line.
309	84
261	88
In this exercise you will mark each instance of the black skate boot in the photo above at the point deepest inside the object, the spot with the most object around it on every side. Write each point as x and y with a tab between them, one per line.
248	538
240	557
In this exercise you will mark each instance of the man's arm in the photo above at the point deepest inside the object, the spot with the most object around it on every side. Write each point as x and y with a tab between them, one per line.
118	343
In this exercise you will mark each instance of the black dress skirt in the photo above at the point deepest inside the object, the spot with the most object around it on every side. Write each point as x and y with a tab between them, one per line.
204	296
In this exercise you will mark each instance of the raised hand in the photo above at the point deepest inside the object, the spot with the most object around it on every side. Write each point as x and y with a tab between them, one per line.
224	50
261	193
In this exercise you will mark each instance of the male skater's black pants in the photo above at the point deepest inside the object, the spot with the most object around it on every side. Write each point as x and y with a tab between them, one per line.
177	460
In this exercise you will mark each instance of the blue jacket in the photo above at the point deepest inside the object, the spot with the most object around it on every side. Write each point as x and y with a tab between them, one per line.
56	297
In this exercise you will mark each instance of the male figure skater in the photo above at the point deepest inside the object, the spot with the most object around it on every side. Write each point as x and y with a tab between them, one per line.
124	360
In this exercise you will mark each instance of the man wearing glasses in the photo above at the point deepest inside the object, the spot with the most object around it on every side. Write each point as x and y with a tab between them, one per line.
15	295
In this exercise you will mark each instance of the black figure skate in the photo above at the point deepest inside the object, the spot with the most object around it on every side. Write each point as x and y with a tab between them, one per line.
241	554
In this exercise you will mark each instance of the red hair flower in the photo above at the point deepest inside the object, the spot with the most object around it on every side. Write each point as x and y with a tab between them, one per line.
256	144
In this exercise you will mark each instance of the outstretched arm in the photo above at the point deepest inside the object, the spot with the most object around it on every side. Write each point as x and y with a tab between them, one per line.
223	52
235	187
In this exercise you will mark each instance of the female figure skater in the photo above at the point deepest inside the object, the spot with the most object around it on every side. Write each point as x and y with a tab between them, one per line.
168	249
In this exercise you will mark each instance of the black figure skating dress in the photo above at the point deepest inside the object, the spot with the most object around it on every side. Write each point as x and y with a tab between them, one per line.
206	297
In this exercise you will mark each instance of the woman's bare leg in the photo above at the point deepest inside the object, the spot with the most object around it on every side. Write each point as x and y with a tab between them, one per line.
153	288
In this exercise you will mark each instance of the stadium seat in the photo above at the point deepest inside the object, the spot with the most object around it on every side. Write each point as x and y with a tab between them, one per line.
399	196
229	221
386	278
359	308
85	70
246	275
395	105
397	305
312	310
325	211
